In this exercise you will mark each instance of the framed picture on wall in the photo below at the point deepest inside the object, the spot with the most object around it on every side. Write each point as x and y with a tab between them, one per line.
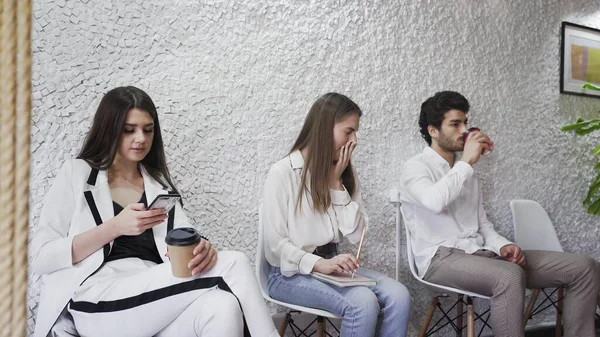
579	60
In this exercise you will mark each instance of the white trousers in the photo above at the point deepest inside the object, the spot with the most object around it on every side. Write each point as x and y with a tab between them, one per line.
131	297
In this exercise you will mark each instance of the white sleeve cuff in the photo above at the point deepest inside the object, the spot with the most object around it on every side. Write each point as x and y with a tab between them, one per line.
307	263
55	255
499	244
464	169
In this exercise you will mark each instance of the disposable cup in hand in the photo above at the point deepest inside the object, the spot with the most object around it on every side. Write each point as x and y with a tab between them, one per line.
181	243
468	133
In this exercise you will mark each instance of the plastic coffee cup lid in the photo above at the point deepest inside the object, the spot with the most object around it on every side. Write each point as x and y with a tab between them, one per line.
182	236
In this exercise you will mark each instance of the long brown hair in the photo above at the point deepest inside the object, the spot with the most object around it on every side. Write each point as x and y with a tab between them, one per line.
317	134
102	141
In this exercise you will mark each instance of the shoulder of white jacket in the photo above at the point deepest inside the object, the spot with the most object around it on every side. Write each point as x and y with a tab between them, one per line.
77	168
78	165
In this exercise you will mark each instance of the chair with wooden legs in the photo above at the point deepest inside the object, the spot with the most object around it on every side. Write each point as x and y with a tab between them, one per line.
463	298
534	231
322	317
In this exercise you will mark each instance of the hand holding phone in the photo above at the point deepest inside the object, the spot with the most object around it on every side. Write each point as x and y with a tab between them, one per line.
134	219
165	201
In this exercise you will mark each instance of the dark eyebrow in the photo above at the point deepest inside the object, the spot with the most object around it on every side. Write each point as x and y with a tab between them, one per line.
134	125
458	121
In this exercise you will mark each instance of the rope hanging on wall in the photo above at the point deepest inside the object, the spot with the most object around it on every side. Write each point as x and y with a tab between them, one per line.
15	114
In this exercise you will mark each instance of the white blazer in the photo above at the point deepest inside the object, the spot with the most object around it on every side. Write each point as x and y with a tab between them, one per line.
68	211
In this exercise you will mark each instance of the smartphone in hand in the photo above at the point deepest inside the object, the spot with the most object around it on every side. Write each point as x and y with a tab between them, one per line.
166	201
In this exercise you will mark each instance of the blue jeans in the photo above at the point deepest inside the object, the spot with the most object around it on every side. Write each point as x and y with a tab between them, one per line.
380	310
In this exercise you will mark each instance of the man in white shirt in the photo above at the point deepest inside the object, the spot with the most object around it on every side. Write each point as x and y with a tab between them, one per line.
454	243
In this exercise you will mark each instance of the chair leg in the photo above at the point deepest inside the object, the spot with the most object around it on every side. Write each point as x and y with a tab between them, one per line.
530	305
320	326
284	323
561	293
459	315
470	318
429	316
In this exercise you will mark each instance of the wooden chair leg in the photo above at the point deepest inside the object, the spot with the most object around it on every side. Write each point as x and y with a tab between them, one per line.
459	315
429	316
320	326
470	318
530	305
284	324
558	329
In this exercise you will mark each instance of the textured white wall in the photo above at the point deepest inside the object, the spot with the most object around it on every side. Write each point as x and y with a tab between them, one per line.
233	82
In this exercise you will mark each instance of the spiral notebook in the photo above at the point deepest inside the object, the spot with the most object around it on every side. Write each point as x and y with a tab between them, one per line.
344	280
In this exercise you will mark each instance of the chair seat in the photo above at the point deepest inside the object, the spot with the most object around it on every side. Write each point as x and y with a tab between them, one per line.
313	311
437	288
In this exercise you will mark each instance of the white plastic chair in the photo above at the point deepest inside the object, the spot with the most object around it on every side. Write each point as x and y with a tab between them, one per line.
262	274
534	231
441	291
533	228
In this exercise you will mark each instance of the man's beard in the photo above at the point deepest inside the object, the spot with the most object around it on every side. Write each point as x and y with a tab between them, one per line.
447	144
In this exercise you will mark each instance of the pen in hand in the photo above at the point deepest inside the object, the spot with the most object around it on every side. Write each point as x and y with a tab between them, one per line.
362	238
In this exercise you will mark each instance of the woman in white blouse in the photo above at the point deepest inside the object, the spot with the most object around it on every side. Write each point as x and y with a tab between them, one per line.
311	202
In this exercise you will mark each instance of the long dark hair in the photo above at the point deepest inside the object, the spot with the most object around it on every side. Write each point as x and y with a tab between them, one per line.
317	134
102	141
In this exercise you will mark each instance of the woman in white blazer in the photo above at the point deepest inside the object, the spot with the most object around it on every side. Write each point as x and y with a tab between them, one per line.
311	202
104	265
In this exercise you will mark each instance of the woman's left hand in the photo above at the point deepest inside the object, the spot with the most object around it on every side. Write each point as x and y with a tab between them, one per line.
340	166
205	257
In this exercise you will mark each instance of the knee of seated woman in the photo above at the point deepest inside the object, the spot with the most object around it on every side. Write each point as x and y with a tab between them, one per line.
224	308
363	299
396	292
234	256
228	305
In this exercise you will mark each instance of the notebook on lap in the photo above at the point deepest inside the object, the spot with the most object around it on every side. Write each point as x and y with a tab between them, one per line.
344	280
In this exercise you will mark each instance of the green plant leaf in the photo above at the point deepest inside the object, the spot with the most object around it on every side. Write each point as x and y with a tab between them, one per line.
588	129
592	190
580	123
590	87
594	187
582	127
596	150
594	208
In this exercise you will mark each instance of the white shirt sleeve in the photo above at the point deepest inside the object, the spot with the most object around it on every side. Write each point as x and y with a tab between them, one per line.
51	243
421	189
492	239
350	213
291	259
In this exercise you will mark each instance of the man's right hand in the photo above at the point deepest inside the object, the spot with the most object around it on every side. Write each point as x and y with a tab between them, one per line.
135	219
475	144
339	263
514	254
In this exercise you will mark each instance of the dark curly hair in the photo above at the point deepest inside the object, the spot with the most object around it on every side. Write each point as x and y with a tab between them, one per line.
434	108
